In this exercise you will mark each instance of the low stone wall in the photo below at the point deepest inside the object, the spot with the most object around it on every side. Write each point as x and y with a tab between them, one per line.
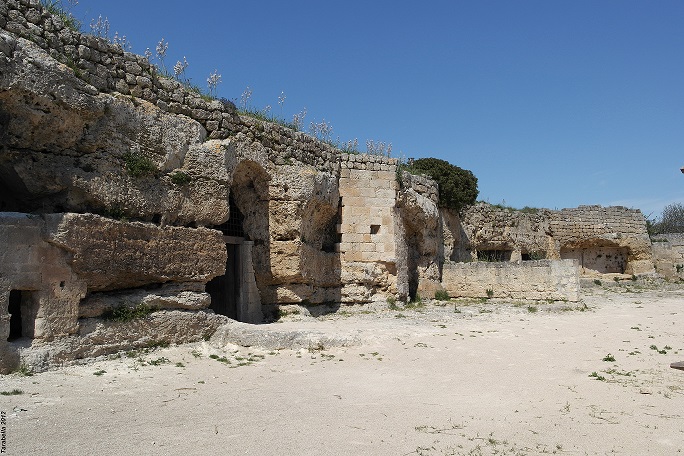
668	255
59	270
537	280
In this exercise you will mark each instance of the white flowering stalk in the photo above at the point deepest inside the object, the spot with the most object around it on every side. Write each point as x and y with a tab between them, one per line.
213	80
298	119
122	41
378	148
351	146
322	130
148	54
179	69
281	102
161	49
100	28
244	98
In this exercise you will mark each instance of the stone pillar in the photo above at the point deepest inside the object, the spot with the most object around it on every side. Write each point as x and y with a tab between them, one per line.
249	302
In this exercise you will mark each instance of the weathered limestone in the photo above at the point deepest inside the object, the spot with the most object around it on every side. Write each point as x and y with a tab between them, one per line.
38	276
110	254
601	233
540	280
668	255
50	263
367	198
420	235
128	189
603	240
100	337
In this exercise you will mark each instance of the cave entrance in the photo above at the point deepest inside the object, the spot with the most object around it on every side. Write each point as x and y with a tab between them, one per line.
236	294
225	290
20	309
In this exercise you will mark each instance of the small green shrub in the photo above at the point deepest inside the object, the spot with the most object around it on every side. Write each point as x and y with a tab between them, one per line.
157	344
125	313
597	376
609	358
597	282
14	392
490	293
180	178
158	361
457	187
415	303
442	295
99	372
532	309
24	371
57	8
138	165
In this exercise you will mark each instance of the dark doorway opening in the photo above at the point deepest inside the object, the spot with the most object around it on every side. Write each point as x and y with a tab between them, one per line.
225	290
14	309
494	255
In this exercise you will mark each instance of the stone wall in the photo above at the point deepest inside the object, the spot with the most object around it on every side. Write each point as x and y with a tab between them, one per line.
602	239
668	255
420	236
539	280
59	270
367	248
602	232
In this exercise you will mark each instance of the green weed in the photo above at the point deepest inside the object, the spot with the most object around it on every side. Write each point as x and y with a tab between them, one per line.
138	165
180	178
14	392
125	313
442	295
597	376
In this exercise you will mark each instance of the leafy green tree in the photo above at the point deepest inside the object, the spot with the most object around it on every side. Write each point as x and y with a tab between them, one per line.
457	186
671	220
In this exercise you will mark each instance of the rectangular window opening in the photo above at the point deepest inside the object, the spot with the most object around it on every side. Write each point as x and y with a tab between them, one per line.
14	309
22	312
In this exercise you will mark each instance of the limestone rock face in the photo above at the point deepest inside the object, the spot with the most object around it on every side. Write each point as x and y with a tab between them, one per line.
97	337
488	227
421	225
65	146
187	296
110	254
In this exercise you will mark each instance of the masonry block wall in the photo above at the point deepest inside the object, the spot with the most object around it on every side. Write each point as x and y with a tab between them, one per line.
604	239
540	280
668	255
367	227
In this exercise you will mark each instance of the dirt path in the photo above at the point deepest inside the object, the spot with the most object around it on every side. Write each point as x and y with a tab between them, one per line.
490	379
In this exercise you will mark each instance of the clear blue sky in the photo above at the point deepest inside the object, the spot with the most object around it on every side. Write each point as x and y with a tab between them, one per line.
550	103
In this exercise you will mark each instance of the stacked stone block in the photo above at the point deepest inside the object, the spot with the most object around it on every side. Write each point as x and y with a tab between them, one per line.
537	280
668	255
108	69
368	193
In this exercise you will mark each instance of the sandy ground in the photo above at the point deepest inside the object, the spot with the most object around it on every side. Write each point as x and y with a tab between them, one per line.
489	378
